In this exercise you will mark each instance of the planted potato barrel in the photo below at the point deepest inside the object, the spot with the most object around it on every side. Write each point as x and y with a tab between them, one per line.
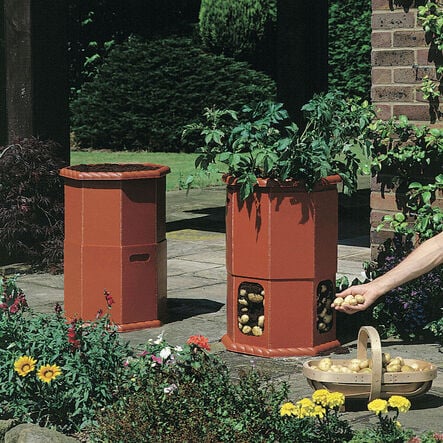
281	256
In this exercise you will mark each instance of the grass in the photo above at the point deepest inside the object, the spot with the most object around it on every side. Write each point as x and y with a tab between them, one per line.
182	165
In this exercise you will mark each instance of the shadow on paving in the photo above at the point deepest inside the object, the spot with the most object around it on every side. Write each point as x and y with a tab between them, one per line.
183	308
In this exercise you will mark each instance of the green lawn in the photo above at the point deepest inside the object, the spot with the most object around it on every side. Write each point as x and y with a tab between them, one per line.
182	165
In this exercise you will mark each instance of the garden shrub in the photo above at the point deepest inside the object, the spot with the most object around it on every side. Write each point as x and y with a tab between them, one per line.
240	29
184	393
350	47
54	372
147	91
31	202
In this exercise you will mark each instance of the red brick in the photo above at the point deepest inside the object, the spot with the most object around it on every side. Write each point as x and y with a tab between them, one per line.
422	57
402	57
387	202
380	5
392	93
383	111
392	20
419	112
381	76
381	39
409	39
405	75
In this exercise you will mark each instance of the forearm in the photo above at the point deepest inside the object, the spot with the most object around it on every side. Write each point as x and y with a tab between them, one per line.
424	258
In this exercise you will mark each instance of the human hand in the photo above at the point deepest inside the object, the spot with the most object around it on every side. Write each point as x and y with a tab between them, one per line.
370	292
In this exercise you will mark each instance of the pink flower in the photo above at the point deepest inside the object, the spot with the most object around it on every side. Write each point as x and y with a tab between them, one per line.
109	300
156	359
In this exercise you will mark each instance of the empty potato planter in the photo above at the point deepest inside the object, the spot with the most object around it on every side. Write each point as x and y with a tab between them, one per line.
115	239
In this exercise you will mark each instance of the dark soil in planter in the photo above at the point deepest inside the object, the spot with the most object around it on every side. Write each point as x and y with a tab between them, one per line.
113	167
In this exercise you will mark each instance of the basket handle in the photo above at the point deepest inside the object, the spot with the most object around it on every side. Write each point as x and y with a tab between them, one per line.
365	333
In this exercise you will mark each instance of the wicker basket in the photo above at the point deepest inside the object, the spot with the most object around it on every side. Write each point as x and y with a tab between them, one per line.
375	384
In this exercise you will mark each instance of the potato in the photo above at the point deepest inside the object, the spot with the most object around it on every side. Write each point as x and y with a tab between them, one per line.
261	321
327	318
353	302
348	298
338	301
396	361
354	366
364	364
246	329
257	331
335	368
385	358
393	368
365	371
360	298
242	292
345	370
325	364
244	319
407	368
244	309
255	298
322	326
243	302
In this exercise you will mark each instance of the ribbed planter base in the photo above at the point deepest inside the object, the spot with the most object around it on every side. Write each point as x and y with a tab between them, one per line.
278	352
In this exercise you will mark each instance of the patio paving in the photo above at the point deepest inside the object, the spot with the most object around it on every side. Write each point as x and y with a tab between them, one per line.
197	295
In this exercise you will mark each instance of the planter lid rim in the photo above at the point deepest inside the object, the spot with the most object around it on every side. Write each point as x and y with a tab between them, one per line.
154	171
330	180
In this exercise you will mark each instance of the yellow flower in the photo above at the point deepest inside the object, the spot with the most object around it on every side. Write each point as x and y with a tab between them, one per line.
400	403
288	409
46	373
304	408
335	400
378	406
24	365
320	397
319	411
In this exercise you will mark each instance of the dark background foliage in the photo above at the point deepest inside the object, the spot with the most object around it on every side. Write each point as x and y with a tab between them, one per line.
31	202
145	92
350	46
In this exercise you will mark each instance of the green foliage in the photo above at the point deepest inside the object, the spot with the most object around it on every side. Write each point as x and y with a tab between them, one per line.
237	29
261	142
350	47
146	91
88	354
31	196
409	157
183	393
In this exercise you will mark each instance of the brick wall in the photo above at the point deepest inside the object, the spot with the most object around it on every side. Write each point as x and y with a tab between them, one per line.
399	62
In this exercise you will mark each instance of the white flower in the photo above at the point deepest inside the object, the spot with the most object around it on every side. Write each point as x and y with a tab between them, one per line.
165	353
159	339
178	348
170	389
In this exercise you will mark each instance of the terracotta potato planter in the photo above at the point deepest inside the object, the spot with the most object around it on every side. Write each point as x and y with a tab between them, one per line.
281	245
115	239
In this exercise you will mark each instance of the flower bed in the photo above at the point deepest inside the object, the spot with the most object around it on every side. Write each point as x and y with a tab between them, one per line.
79	378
